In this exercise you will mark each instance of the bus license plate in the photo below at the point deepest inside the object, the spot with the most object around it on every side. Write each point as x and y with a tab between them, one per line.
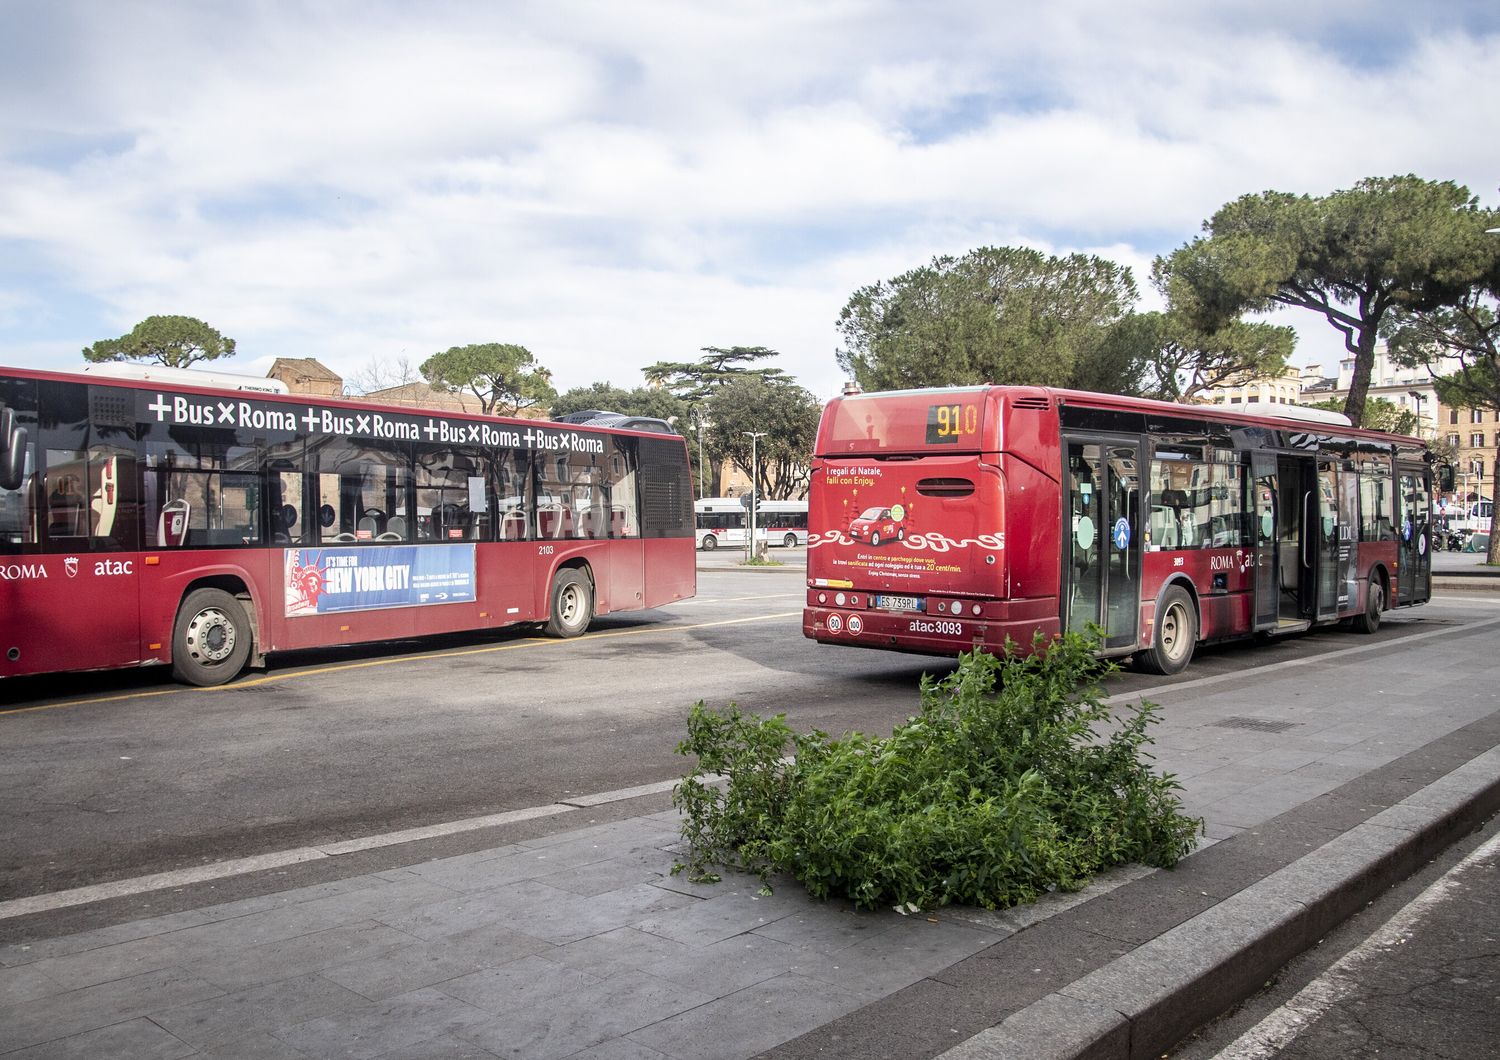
899	603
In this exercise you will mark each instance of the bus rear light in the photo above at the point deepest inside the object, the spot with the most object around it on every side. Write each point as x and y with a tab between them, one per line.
822	598
977	609
839	599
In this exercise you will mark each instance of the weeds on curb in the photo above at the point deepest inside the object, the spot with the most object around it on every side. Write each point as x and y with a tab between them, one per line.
1014	780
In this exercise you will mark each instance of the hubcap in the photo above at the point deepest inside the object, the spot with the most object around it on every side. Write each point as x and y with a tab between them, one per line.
568	605
1171	631
210	636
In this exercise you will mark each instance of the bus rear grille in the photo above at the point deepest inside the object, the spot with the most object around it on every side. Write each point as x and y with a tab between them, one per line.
1029	403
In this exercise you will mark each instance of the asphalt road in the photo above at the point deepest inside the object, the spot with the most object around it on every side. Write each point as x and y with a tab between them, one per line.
1416	976
109	776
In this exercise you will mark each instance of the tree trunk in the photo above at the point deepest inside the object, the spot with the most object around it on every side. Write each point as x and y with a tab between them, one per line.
1364	366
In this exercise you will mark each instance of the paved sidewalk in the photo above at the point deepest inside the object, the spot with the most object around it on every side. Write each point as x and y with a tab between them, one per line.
1320	786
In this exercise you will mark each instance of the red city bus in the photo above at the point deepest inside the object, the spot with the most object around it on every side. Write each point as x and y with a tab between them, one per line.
145	522
947	520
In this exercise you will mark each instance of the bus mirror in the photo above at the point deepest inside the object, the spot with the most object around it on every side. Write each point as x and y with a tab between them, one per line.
12	451
13	459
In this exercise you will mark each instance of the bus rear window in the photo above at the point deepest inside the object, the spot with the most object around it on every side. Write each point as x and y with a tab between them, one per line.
901	423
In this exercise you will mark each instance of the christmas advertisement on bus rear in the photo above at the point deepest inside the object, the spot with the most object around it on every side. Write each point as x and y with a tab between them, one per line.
913	525
325	581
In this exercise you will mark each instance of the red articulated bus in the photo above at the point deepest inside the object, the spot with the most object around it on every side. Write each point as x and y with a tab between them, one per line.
942	521
149	521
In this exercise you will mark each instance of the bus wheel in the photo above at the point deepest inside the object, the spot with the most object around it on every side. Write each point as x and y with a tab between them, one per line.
1369	622
572	604
211	640
790	541
1174	637
710	543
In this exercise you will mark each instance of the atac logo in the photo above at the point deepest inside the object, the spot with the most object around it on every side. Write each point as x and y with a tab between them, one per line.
70	565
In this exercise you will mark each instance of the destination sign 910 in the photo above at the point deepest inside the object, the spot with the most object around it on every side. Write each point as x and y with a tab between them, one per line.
948	423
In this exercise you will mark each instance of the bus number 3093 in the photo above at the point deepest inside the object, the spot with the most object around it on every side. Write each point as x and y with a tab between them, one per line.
953	629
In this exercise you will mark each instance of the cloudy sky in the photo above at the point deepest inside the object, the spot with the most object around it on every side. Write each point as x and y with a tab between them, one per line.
614	183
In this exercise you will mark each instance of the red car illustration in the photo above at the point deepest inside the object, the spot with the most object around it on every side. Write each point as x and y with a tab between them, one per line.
879	524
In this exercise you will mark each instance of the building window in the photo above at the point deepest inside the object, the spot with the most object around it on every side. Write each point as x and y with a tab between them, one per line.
1453	440
1453	415
1476	415
1477	439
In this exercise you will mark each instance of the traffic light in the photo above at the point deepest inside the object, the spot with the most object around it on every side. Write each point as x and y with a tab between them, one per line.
1446	478
747	500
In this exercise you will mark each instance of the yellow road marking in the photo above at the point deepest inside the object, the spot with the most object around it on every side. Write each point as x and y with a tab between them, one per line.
395	659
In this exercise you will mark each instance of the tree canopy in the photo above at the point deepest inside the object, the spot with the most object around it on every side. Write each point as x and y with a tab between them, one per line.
1380	415
1352	256
1175	360
504	377
695	381
995	315
174	341
1457	343
788	416
642	401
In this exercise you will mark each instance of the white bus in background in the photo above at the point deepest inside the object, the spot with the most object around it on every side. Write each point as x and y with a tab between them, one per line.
722	522
782	523
1475	519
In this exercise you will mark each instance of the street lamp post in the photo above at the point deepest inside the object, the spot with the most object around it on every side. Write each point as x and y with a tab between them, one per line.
755	436
702	422
1418	397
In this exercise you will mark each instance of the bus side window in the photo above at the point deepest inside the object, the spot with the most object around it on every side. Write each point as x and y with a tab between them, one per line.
624	516
65	508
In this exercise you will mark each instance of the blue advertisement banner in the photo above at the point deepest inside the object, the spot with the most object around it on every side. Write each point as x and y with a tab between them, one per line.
325	581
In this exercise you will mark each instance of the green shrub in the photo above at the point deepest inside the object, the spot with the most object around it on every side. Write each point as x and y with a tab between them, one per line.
1003	787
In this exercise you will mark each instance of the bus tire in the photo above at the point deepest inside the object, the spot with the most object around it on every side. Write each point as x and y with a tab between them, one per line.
710	543
572	606
1369	622
211	638
790	541
1174	634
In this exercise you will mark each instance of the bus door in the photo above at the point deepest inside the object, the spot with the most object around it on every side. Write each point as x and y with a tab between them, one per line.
1268	517
1101	548
1414	522
1333	547
1297	527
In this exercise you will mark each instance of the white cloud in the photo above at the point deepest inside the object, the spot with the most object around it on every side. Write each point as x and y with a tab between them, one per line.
613	184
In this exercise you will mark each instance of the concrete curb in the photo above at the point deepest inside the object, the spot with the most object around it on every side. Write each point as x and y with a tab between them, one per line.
1465	583
1141	1004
